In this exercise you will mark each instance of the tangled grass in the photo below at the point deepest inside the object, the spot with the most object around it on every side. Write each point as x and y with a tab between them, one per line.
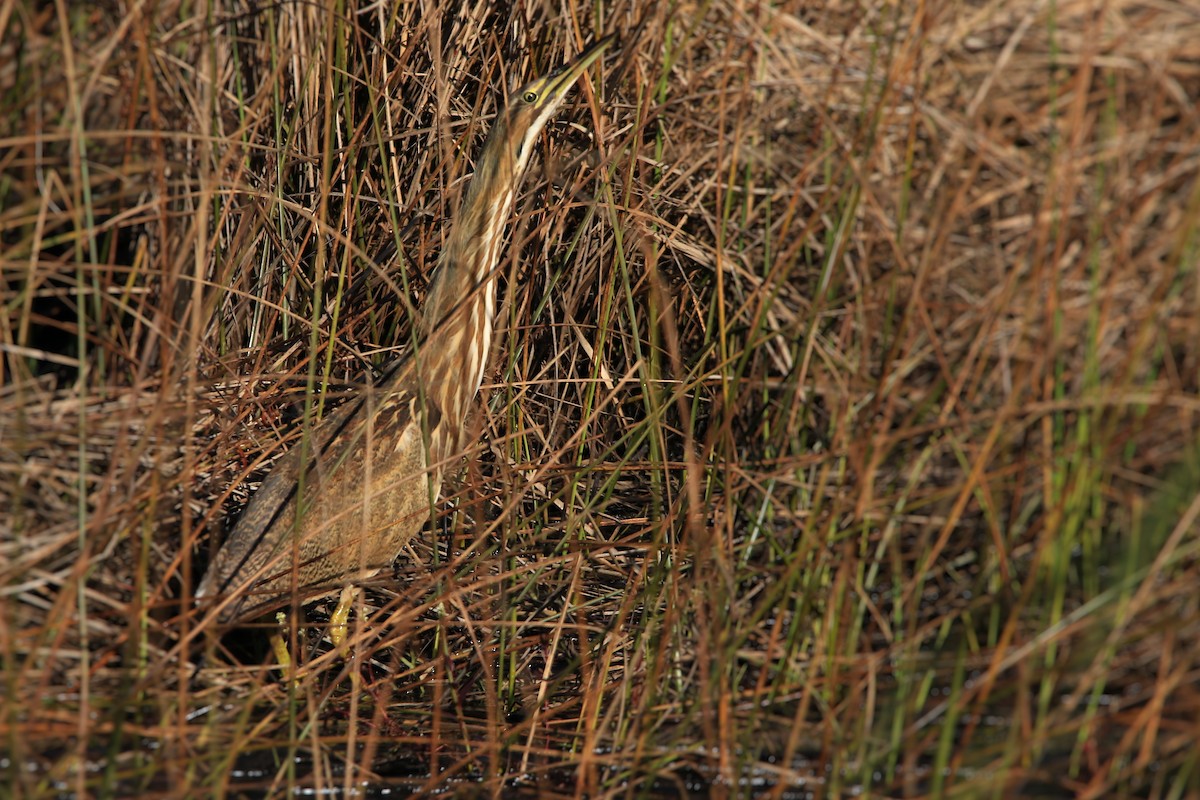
840	434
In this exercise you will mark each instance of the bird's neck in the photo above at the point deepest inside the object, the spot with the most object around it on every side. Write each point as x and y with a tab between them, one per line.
459	311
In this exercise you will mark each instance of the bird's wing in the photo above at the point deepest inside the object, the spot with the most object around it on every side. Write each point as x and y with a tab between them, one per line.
268	520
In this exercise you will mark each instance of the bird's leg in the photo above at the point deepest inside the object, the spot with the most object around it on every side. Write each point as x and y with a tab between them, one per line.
337	620
279	647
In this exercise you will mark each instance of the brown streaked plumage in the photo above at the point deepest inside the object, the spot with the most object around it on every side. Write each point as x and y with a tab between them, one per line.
375	464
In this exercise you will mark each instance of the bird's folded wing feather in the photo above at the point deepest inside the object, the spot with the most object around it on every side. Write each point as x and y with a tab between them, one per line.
338	438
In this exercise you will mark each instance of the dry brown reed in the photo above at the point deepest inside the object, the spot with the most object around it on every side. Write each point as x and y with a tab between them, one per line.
840	434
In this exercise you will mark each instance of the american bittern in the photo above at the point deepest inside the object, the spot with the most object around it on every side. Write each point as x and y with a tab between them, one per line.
340	507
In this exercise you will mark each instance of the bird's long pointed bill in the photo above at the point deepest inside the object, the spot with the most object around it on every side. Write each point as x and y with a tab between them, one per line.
569	72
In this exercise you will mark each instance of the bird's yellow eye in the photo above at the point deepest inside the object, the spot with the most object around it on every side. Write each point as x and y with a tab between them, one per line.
530	97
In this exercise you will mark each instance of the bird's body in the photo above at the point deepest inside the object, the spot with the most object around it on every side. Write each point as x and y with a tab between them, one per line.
342	504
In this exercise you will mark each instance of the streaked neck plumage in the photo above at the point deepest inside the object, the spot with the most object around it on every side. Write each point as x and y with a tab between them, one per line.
459	312
456	324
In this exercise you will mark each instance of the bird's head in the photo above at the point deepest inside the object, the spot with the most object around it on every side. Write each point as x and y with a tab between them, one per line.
530	107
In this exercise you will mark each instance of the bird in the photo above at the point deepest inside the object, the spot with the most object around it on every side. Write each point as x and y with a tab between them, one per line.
341	505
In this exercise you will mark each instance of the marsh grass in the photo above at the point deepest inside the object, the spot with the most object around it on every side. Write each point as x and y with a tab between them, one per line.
840	435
